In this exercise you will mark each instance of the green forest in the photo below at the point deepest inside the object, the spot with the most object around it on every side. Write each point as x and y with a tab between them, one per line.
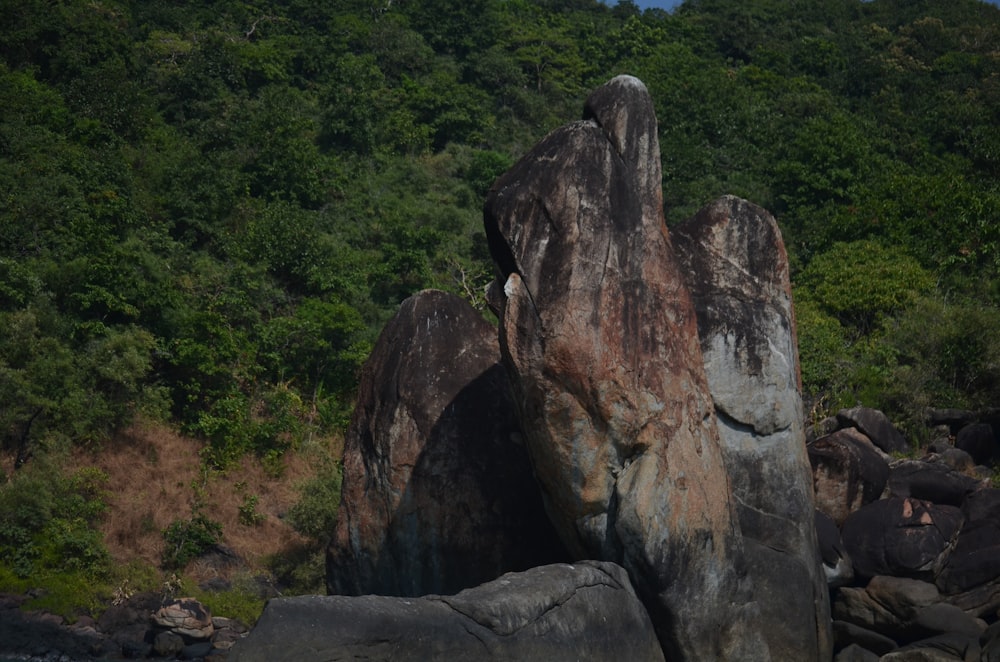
208	210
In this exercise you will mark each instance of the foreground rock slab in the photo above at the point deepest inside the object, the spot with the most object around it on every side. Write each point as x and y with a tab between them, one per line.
586	611
599	334
438	492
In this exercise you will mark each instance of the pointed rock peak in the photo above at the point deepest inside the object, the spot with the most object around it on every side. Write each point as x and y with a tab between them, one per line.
623	109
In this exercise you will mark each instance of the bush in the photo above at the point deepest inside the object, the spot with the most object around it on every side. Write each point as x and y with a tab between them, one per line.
315	514
188	539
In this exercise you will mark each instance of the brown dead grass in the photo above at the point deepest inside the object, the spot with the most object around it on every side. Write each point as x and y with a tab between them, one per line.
156	477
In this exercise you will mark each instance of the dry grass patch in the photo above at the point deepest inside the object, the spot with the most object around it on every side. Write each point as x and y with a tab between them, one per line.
156	477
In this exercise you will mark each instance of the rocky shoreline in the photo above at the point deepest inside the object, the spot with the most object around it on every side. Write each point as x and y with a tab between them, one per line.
134	629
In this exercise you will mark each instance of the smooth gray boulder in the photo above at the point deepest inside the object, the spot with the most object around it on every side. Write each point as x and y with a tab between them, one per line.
734	263
586	611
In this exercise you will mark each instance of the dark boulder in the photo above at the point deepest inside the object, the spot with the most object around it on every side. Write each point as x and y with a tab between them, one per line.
900	536
438	492
954	419
978	440
876	426
846	634
848	473
586	611
975	561
931	481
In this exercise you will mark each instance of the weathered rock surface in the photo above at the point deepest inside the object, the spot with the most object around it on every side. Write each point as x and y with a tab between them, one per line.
185	617
735	266
979	441
876	426
599	334
586	611
975	561
900	537
438	493
936	482
848	473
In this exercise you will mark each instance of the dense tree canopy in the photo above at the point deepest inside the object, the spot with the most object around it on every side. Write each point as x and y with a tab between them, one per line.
208	210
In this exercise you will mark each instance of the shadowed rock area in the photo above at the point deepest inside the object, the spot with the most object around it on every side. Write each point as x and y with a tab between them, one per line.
599	335
438	493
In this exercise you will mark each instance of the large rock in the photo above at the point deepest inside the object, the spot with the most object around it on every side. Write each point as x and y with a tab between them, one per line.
736	268
600	336
586	611
936	482
900	537
975	561
848	473
438	493
876	426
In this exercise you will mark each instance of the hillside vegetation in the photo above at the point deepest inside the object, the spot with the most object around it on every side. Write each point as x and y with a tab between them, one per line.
208	210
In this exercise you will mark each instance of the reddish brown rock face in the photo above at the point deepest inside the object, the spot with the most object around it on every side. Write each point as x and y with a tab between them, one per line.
438	493
599	334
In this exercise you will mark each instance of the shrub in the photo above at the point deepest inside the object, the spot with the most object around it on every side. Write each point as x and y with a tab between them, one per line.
188	539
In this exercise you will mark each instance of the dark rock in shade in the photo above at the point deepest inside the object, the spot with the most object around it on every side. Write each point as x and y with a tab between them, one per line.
978	440
599	334
586	611
837	566
989	641
942	617
876	426
931	481
888	605
734	263
942	648
855	653
957	459
438	493
981	601
848	473
955	419
846	634
168	644
975	559
902	537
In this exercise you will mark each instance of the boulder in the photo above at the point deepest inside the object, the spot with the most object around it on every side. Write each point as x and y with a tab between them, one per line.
975	561
951	647
876	426
599	334
954	419
979	441
848	473
585	611
855	653
848	634
957	459
438	493
900	536
186	617
936	482
734	264
888	605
